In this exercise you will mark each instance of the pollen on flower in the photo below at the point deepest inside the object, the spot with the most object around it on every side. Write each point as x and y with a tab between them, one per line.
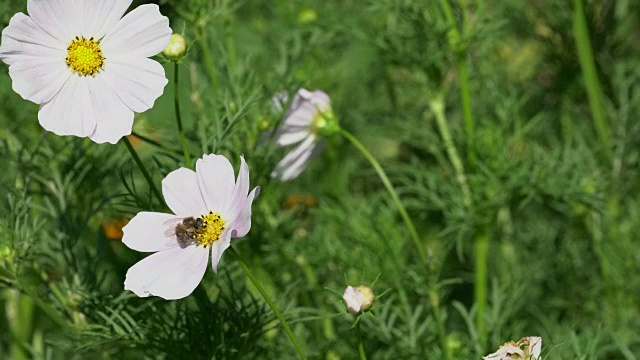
212	228
84	56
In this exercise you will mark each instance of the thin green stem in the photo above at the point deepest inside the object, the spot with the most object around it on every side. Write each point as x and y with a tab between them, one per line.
480	289
155	143
363	355
144	171
592	83
437	107
270	302
394	196
176	102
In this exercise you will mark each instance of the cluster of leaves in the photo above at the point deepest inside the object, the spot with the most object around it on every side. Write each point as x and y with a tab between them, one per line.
560	214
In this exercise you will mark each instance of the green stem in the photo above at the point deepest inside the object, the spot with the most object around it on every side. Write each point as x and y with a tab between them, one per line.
21	324
176	102
144	171
270	302
231	46
392	192
480	289
154	143
437	107
208	60
363	355
588	66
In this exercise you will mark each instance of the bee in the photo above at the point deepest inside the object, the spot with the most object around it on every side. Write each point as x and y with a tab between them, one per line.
184	231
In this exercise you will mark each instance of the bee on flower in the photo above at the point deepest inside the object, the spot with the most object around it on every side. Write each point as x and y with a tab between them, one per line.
308	120
86	64
209	207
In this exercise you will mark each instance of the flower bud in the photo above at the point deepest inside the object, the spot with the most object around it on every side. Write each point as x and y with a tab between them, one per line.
358	299
176	49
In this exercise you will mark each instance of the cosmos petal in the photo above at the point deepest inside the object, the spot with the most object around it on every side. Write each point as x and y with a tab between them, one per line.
113	118
218	247
38	79
170	274
59	18
241	190
23	39
242	223
182	193
137	82
71	111
143	32
296	161
146	232
217	182
100	15
288	135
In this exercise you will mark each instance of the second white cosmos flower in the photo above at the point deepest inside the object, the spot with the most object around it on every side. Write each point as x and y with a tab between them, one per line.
85	64
210	207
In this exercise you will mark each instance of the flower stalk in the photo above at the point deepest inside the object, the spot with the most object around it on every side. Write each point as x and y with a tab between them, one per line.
270	302
363	355
394	195
144	171
176	102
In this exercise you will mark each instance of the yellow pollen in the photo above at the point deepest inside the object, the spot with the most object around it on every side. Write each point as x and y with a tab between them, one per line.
84	56
212	228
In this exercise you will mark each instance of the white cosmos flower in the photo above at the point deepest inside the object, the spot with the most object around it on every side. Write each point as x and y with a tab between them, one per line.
85	64
528	348
210	208
309	118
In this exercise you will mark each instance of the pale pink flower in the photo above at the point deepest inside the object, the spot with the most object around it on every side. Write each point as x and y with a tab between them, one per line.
308	119
210	208
528	348
85	64
358	299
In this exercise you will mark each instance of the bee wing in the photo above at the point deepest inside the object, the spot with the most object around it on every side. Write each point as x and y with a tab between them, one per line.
171	226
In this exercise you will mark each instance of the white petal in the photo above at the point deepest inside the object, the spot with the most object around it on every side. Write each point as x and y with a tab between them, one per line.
288	135
59	18
70	112
38	79
218	247
100	16
171	274
242	223
182	193
137	82
217	183
143	32
296	161
113	118
146	232
241	190
23	39
535	344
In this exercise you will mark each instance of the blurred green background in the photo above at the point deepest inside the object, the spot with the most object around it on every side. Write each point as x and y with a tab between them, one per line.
545	194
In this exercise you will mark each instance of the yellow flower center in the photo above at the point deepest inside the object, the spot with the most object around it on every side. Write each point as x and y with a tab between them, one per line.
84	56
212	228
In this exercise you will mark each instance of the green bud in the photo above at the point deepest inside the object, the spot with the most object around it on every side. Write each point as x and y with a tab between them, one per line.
176	49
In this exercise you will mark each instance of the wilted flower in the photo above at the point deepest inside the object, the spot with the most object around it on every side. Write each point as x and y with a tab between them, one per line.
527	348
210	208
309	118
85	64
358	299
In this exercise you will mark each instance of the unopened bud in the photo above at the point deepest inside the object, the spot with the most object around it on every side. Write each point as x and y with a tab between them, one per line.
176	49
358	299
